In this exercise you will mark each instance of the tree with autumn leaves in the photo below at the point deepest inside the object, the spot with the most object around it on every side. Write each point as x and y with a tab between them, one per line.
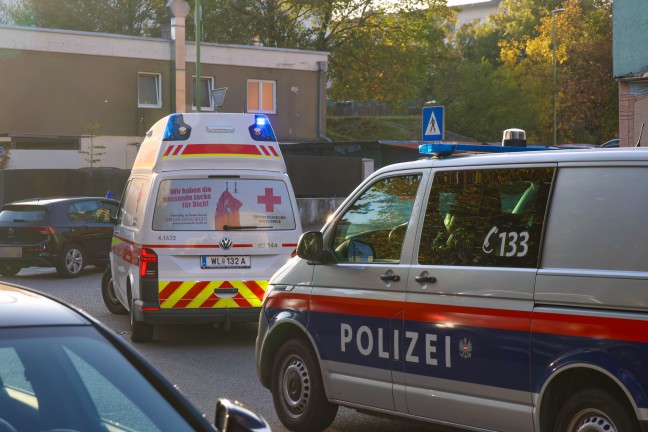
490	76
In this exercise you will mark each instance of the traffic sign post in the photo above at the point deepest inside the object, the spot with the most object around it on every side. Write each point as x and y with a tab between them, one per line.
433	123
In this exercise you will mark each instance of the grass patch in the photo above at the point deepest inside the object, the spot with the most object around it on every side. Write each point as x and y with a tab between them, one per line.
349	129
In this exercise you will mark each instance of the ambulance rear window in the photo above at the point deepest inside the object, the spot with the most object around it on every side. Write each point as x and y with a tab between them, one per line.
223	205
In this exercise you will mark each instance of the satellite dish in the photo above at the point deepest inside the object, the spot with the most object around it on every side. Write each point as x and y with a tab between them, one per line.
218	97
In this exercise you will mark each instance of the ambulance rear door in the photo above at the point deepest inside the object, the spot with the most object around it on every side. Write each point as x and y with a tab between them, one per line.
220	235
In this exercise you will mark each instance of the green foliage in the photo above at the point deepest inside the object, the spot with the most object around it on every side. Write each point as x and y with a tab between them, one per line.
93	155
349	129
489	76
487	101
130	17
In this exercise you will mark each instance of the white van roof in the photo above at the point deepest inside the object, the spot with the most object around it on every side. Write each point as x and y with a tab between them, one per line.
210	141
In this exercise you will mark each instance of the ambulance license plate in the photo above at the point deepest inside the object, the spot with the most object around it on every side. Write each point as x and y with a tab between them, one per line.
225	262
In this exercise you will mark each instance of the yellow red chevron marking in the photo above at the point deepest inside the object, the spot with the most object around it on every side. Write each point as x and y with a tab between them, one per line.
211	294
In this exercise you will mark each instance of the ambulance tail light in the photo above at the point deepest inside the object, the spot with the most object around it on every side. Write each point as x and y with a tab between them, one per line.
261	130
176	129
148	263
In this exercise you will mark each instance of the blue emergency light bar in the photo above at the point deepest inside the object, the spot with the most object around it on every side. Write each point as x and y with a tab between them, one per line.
449	149
176	129
261	130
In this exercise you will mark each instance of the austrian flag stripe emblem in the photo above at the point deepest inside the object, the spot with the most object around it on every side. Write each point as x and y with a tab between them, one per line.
211	294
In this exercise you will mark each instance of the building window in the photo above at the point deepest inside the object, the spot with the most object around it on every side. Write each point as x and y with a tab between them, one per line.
261	96
149	90
206	86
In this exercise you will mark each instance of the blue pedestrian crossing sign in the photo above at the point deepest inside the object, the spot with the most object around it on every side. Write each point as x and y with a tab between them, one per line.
433	123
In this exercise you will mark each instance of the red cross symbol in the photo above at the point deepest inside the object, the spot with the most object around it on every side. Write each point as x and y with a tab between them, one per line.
269	199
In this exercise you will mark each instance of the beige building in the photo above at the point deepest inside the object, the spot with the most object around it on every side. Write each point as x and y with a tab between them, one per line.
59	86
474	10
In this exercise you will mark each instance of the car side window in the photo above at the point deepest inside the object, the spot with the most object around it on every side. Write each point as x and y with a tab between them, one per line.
373	228
490	217
132	206
83	211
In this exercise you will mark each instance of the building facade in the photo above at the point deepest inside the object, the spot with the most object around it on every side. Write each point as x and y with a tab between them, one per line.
474	10
630	46
75	99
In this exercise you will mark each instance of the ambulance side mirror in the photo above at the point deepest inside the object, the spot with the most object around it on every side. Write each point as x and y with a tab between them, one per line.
311	247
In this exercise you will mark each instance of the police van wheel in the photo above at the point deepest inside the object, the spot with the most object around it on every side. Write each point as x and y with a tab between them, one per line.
594	410
110	299
298	391
140	331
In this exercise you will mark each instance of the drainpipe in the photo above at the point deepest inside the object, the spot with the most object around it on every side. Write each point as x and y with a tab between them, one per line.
178	10
321	68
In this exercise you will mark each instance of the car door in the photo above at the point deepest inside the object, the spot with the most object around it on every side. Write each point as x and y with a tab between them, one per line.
358	300
469	305
83	227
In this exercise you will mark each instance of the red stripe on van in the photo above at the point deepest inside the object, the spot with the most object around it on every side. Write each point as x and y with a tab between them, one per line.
241	301
221	149
168	150
255	288
191	295
168	290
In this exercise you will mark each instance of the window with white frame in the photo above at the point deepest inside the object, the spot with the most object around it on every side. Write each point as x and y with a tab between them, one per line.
261	96
206	86
149	90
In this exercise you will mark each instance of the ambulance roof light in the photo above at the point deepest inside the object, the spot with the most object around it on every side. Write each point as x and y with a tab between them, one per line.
176	129
261	130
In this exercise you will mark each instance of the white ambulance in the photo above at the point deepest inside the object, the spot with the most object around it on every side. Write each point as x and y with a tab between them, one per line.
207	216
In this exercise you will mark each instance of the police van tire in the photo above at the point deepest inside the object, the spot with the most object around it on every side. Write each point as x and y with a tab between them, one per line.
140	331
298	391
594	409
110	299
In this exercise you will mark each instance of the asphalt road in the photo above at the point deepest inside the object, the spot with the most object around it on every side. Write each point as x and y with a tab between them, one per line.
204	362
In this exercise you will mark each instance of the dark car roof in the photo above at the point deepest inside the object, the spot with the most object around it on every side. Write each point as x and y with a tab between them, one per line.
55	200
20	307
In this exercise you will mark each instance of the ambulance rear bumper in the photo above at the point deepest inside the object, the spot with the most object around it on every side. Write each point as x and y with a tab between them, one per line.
152	313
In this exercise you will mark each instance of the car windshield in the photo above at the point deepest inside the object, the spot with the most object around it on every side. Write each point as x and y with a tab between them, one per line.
23	214
73	379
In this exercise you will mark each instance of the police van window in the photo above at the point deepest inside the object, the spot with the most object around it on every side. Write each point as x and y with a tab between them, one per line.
597	220
373	228
488	217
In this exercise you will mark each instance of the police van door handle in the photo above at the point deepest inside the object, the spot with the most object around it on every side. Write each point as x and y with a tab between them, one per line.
389	276
425	278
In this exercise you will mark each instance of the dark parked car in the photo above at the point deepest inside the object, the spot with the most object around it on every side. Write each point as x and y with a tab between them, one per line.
61	370
611	143
66	233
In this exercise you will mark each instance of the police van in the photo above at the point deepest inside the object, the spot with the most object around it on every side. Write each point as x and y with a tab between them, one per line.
499	291
207	216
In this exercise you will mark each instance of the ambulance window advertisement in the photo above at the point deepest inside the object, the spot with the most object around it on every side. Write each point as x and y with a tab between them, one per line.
223	205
